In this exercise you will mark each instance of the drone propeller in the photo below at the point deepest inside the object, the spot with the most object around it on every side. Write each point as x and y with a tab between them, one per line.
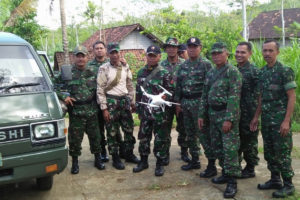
165	91
148	104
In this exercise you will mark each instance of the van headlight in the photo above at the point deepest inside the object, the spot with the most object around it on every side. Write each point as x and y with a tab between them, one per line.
62	130
43	131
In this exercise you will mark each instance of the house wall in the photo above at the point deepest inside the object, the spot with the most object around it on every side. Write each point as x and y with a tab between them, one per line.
135	40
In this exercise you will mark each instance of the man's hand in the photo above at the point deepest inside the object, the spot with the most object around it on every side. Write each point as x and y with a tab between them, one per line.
69	101
284	128
178	110
123	61
106	115
254	124
227	126
200	123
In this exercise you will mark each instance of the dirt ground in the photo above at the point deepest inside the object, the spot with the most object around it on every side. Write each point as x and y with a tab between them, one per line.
112	184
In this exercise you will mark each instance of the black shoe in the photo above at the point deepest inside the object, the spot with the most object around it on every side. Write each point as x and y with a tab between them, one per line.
143	164
166	161
185	155
220	180
122	152
231	188
130	157
248	172
273	183
98	162
75	166
194	164
210	170
117	163
103	155
159	169
287	190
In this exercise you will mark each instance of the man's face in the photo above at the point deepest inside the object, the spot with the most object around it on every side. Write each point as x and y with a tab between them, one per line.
171	50
219	58
242	54
270	52
81	60
114	57
99	51
153	59
193	50
183	55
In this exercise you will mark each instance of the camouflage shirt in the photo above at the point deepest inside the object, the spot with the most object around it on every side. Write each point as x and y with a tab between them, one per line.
94	64
172	68
162	78
274	82
222	91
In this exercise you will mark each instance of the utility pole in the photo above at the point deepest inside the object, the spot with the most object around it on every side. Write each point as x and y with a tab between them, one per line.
101	20
245	35
283	24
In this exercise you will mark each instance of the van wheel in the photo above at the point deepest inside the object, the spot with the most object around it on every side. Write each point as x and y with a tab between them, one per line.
44	183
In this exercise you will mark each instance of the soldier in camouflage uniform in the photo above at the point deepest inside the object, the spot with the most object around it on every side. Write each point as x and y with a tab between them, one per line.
190	81
172	64
182	52
153	120
115	96
276	103
83	112
248	105
221	99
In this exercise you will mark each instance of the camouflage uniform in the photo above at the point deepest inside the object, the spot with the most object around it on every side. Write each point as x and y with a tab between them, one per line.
156	121
189	86
222	101
248	105
84	114
274	82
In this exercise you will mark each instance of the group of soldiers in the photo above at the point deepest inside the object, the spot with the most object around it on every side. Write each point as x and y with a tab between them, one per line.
217	106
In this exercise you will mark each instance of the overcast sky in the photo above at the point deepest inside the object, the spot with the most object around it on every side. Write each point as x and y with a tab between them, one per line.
74	8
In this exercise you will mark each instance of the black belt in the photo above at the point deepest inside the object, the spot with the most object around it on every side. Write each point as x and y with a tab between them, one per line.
116	97
77	102
192	96
218	107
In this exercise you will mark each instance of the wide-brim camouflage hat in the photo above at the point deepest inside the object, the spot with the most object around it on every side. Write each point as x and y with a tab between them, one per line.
113	47
171	41
153	49
193	41
80	49
218	47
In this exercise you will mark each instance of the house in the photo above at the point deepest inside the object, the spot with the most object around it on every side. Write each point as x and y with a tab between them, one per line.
130	37
262	27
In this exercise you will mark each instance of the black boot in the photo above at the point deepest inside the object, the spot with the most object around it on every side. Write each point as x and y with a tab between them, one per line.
185	155
193	164
221	179
117	163
122	152
130	157
248	171
143	164
231	188
287	189
75	166
211	169
159	169
166	161
103	155
273	183
98	161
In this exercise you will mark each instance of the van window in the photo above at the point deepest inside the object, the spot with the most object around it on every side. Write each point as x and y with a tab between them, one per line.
19	71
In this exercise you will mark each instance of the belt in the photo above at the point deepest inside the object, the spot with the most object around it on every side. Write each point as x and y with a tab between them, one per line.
77	102
192	96
115	97
218	107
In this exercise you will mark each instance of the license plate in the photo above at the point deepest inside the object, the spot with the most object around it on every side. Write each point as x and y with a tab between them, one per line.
1	163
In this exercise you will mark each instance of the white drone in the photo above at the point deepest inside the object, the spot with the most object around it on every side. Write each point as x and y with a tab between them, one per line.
156	101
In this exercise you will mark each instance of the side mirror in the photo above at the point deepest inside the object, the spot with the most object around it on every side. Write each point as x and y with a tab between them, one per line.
66	72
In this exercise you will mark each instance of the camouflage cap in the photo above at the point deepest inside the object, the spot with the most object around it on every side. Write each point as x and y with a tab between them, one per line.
171	41
113	47
182	47
193	41
153	50
218	47
80	49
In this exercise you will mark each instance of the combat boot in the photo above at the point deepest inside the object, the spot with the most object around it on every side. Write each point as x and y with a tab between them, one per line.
166	160
273	183
221	179
193	164
231	188
75	166
287	189
248	171
103	154
211	169
185	155
122	152
130	157
143	164
98	161
117	163
159	169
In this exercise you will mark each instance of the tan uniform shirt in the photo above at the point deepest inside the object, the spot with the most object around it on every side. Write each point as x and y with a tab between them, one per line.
106	75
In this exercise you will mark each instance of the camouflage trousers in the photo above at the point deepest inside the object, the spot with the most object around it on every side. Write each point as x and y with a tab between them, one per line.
248	143
225	145
206	141
79	125
160	131
120	116
181	139
277	149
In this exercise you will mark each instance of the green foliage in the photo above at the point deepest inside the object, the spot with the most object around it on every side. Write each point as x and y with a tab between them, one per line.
134	63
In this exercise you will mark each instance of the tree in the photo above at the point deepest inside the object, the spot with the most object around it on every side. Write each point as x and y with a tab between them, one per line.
91	12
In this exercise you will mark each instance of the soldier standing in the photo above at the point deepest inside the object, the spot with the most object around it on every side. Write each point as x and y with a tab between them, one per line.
115	96
248	105
276	103
221	98
189	86
172	64
83	112
153	120
182	52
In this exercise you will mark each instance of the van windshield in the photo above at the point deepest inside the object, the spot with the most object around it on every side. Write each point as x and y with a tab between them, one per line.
19	72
